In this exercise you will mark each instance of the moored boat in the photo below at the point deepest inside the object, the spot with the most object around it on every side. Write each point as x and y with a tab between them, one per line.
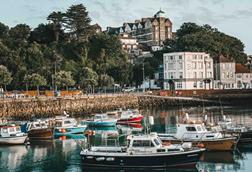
38	130
227	127
130	116
65	126
196	133
11	135
101	120
142	151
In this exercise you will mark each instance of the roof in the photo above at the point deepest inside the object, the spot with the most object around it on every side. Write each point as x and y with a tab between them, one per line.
223	59
239	68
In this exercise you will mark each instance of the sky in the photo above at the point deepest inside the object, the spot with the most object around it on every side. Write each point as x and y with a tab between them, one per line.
233	17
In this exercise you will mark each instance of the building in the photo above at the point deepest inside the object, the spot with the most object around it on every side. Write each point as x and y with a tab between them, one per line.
151	31
224	73
187	71
129	44
243	77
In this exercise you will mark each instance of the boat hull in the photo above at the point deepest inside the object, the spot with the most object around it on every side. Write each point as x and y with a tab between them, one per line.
130	120
225	144
163	160
100	124
16	140
43	133
66	131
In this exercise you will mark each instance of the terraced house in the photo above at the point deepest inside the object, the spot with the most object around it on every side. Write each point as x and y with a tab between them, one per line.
151	31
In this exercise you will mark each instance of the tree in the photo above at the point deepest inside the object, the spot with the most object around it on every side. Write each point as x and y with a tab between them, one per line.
5	76
20	32
43	34
106	80
77	22
3	30
64	79
88	78
35	80
191	37
57	19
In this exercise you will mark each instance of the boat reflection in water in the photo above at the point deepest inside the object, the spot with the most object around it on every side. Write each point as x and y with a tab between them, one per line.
11	157
221	161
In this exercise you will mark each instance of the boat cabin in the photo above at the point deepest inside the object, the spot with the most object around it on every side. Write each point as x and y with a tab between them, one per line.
100	117
195	131
150	143
10	130
36	125
65	122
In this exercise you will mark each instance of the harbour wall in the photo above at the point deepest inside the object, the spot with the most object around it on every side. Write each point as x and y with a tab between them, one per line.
21	109
27	108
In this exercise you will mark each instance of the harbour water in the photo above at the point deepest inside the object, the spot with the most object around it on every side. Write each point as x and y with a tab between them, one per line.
62	154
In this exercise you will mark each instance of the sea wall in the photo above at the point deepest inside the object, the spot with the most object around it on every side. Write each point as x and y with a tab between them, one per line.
80	105
26	108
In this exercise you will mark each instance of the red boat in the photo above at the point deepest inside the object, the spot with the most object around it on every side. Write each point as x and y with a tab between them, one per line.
130	117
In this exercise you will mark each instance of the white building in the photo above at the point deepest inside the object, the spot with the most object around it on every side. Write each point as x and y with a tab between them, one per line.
224	73
129	44
187	71
243	77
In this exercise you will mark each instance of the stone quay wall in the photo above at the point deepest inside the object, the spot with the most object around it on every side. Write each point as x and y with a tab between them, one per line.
21	109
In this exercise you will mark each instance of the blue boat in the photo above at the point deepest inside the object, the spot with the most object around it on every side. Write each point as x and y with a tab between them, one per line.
66	126
101	120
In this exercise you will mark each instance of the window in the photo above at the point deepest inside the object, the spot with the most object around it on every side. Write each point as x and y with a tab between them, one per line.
165	66
201	57
194	65
180	65
190	128
170	75
67	122
195	74
201	75
194	57
180	75
170	66
180	57
179	84
200	65
195	84
201	85
142	143
171	57
199	128
208	65
156	142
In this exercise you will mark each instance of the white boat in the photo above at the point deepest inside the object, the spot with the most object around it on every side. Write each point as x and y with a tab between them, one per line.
196	132
11	135
142	151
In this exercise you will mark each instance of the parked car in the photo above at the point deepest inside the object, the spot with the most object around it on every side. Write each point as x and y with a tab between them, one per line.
128	89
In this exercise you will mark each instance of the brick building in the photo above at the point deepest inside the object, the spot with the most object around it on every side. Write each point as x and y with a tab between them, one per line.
151	31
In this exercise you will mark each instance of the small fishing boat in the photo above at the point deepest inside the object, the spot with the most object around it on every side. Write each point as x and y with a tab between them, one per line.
11	135
67	126
130	116
38	130
196	132
101	120
243	133
142	152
